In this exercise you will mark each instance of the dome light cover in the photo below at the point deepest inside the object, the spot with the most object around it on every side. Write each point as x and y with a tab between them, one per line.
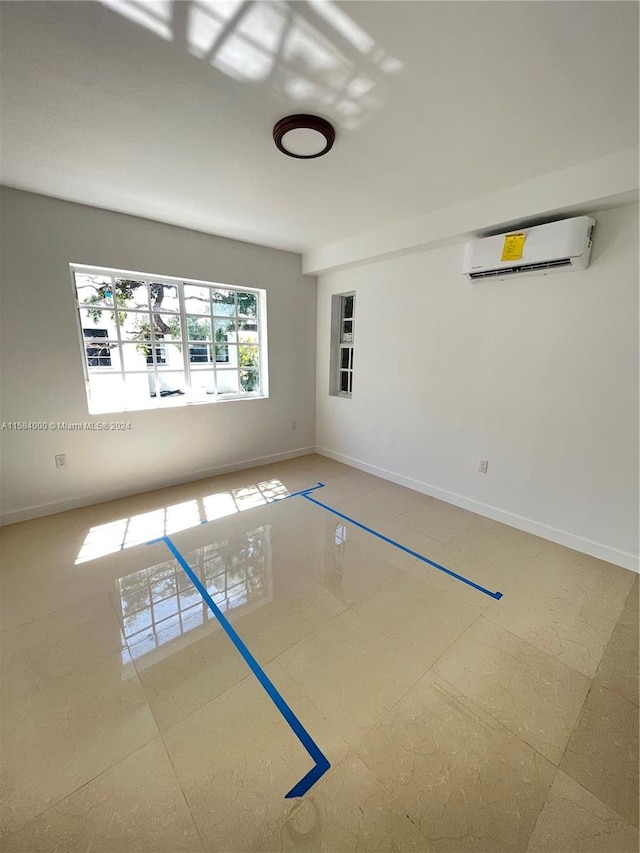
303	136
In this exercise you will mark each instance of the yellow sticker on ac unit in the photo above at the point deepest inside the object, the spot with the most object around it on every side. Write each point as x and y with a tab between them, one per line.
512	249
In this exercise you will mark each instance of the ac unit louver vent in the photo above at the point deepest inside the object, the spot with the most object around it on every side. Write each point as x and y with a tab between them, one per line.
514	270
555	247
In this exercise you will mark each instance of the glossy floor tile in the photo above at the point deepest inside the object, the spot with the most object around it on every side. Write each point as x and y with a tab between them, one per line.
602	754
619	668
467	782
348	811
59	737
415	619
44	650
574	821
236	758
135	805
452	721
533	694
354	695
566	604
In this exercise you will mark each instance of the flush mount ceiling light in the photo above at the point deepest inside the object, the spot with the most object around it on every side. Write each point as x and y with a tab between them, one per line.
303	136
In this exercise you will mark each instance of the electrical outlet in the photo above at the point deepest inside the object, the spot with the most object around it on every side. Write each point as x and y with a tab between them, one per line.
61	460
483	466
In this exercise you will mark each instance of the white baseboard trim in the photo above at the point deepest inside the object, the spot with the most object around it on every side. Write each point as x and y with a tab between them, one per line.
545	531
139	488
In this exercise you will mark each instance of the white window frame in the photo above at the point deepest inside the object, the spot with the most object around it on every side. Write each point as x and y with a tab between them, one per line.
342	342
162	403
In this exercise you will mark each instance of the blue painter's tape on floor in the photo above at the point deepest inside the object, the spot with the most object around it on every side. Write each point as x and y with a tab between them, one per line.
321	762
496	595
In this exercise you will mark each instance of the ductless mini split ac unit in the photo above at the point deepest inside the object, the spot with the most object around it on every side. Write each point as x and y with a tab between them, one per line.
554	247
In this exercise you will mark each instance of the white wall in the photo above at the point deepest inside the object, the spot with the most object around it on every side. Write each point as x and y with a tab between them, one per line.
539	376
42	378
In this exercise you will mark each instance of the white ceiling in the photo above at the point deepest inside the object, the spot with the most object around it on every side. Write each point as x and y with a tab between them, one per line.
165	109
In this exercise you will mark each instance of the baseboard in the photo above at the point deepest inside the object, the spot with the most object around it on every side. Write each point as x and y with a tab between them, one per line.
139	488
545	531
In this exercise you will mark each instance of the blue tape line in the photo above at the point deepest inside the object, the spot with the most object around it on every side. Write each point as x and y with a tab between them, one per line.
321	762
496	595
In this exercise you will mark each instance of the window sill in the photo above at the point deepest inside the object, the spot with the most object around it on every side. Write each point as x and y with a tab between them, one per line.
177	403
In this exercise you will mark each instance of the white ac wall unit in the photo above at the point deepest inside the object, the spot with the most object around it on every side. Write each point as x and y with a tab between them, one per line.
555	247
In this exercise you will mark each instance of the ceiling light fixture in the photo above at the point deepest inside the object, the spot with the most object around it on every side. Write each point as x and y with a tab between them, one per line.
303	136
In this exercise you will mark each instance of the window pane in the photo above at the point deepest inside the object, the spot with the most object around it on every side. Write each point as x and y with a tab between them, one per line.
171	355
350	382
200	353
351	360
136	356
168	384
248	356
248	329
348	306
131	294
197	299
202	383
98	354
106	392
224	302
94	289
164	296
347	331
98	357
248	304
226	354
224	328
96	320
199	329
344	382
149	354
250	380
135	326
344	357
167	327
228	382
137	388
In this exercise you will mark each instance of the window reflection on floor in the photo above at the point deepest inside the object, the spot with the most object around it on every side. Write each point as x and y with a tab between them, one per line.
118	535
159	603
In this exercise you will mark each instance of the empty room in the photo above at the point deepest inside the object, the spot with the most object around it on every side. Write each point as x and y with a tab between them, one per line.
319	433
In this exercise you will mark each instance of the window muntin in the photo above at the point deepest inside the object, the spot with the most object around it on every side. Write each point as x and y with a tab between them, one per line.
346	337
150	342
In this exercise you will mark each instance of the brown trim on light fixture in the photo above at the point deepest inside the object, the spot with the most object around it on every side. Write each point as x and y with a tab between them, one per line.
309	122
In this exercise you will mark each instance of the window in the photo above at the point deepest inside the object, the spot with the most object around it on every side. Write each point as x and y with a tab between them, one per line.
343	320
98	354
151	342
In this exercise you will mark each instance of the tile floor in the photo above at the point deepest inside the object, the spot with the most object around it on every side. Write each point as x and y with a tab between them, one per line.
453	722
